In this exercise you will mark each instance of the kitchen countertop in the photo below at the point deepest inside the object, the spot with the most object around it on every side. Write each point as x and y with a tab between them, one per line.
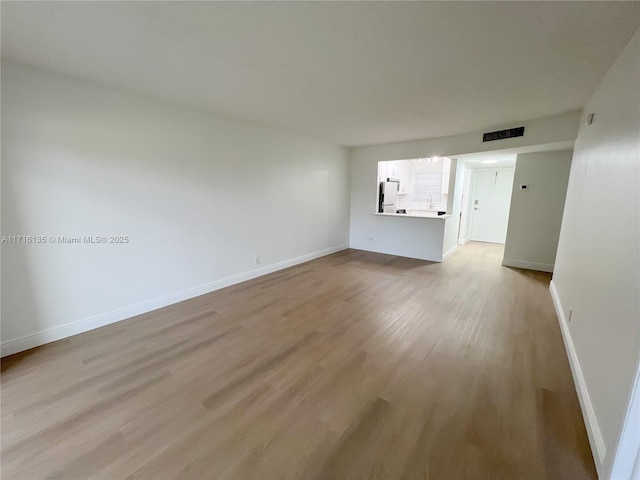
414	215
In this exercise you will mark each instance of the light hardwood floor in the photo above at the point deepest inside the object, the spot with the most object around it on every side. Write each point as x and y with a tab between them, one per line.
356	365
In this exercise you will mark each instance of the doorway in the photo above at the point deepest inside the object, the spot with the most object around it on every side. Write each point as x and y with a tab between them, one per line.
491	200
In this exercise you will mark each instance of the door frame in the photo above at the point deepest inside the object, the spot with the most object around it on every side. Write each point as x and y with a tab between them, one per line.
467	188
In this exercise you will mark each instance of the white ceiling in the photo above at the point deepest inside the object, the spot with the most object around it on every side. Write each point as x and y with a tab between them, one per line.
501	159
352	73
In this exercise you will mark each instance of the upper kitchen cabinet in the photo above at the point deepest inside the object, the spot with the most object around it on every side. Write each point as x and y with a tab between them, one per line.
403	175
396	169
446	175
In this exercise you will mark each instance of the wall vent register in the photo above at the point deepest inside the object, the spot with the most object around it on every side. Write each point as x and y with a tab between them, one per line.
503	134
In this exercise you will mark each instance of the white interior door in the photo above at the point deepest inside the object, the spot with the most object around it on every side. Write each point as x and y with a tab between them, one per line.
490	205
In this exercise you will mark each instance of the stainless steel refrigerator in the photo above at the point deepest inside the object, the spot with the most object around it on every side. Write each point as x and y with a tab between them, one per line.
388	196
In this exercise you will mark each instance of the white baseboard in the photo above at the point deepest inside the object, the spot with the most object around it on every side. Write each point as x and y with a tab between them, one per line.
57	333
449	252
541	267
462	241
626	463
590	419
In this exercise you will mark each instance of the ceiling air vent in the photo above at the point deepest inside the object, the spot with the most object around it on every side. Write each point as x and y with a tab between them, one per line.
503	134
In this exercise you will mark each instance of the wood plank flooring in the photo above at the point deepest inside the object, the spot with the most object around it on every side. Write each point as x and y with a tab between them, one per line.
356	365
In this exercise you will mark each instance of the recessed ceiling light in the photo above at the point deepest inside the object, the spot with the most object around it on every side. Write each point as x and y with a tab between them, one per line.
489	161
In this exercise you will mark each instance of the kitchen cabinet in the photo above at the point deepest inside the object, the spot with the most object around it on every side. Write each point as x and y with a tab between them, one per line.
392	168
446	172
383	168
399	169
403	176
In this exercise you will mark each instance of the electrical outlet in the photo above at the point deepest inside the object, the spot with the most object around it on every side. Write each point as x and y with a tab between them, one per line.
570	314
256	260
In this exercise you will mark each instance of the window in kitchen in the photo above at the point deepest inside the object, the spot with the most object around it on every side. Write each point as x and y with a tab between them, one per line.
426	187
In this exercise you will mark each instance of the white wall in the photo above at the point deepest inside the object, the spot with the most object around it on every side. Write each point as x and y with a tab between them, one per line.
198	196
597	270
536	213
405	236
371	232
